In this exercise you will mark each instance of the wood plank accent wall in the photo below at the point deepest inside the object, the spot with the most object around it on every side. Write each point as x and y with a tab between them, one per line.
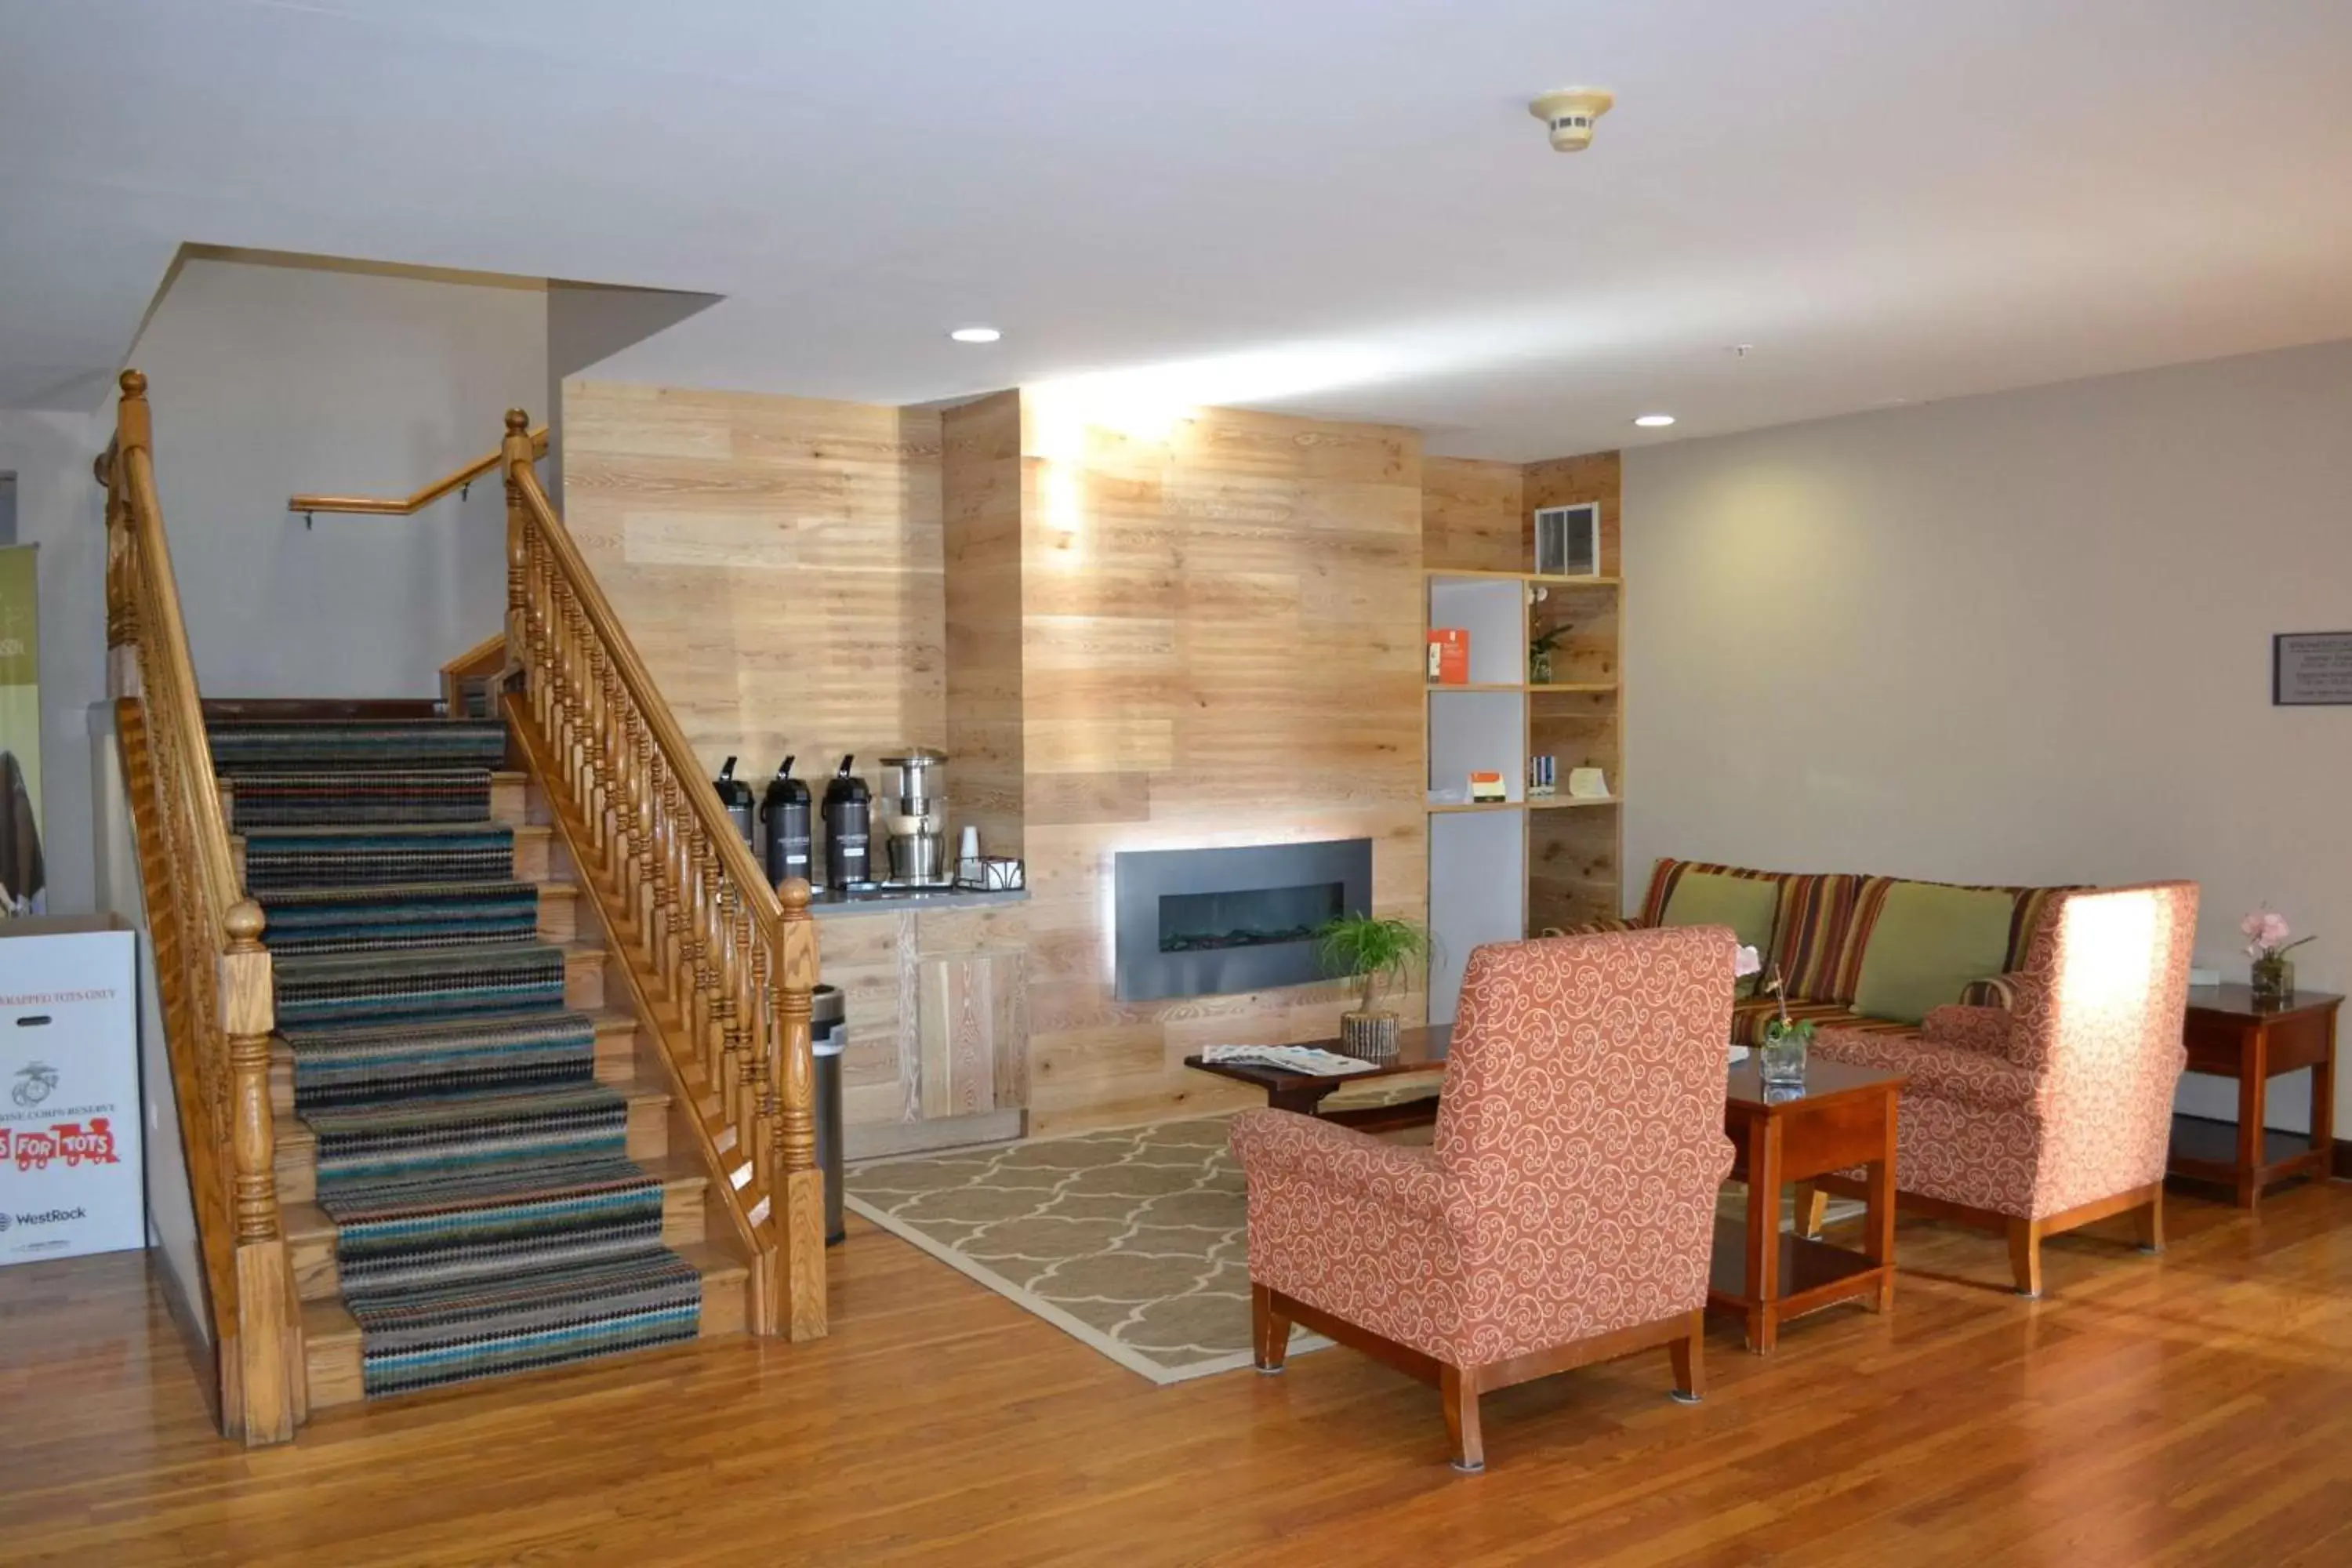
1221	645
777	561
980	505
1473	516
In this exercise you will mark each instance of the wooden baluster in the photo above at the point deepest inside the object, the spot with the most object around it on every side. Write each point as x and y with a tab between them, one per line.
701	989
797	1207
270	1321
575	691
749	1002
540	591
725	1007
669	880
515	454
598	693
646	878
767	1034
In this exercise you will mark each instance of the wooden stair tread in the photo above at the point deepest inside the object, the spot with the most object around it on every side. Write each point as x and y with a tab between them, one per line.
330	1336
329	1323
307	1222
640	1091
616	1055
521	830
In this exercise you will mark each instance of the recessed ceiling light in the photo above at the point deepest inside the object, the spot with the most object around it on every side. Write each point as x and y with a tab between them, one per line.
1653	421
976	334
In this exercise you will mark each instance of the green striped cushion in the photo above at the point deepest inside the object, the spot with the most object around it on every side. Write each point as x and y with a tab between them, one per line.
1809	932
2032	906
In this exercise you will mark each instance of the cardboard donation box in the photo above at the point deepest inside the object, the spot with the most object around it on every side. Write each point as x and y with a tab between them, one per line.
70	1180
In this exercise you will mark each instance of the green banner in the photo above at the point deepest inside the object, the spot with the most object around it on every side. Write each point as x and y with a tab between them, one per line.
23	880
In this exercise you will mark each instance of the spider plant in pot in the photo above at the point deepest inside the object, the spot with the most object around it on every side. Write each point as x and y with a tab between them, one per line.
1377	953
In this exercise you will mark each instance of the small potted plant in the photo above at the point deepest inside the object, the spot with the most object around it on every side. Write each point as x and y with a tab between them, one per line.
1539	652
1376	954
2270	976
1780	1060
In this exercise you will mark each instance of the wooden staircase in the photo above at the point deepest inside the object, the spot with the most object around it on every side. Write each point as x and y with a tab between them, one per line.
628	1061
694	975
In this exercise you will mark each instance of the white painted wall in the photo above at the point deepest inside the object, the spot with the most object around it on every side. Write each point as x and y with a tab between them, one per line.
267	381
2015	639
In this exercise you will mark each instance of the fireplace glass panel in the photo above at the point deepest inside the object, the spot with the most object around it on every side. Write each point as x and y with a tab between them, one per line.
1251	916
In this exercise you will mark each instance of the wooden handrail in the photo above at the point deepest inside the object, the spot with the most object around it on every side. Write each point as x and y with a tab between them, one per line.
380	506
212	972
736	960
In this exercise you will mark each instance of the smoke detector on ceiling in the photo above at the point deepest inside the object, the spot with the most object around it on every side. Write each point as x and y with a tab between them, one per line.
1570	113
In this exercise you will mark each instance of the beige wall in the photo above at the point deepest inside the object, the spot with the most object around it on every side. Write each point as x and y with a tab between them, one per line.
2013	639
776	561
269	380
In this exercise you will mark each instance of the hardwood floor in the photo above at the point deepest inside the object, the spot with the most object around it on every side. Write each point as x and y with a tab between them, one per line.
2192	1409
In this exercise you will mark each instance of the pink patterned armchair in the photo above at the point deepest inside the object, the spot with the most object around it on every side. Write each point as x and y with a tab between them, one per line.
1565	1213
2055	1110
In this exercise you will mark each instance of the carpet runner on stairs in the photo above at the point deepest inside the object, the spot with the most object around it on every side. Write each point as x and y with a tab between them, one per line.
487	1217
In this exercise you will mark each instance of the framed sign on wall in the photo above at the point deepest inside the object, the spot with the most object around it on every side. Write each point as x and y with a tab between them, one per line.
2311	669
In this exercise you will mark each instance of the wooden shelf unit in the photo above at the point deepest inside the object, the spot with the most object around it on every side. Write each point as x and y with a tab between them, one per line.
1501	870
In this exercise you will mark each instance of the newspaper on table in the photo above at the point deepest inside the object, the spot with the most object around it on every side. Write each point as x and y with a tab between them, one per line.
1288	1058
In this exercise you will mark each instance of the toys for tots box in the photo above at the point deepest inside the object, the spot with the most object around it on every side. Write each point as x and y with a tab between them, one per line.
70	1168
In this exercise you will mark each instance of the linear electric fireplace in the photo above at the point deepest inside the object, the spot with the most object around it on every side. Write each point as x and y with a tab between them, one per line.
1200	922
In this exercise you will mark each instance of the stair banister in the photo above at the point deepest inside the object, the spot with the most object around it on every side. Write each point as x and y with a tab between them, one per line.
736	958
212	972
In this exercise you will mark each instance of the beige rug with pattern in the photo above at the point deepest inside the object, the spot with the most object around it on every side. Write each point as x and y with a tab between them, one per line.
1135	1242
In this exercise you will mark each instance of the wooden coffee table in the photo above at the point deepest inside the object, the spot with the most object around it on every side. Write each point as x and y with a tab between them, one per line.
1844	1119
1418	1050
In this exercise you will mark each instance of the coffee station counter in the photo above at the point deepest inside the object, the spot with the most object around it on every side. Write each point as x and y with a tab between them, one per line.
825	904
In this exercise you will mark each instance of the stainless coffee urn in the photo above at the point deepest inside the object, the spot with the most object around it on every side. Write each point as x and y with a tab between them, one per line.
919	846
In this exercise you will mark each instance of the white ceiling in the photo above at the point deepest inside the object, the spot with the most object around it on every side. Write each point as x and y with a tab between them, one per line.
1331	205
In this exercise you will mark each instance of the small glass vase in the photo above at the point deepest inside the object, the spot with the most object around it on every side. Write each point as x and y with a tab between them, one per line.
2273	979
1781	1059
1540	667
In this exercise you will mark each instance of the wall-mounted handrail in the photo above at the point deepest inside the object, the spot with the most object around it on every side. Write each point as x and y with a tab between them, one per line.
381	506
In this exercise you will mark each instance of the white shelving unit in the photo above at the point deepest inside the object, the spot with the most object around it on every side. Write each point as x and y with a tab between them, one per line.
1498	867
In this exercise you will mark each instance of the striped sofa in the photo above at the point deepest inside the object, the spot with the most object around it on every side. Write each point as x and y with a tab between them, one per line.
1820	934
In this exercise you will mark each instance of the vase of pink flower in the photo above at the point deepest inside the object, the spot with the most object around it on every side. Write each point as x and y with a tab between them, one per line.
2269	939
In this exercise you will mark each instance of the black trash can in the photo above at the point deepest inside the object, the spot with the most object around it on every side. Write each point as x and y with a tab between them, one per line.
828	1036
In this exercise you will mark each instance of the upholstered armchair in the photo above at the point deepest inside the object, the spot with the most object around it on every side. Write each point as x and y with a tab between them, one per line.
2050	1108
1565	1211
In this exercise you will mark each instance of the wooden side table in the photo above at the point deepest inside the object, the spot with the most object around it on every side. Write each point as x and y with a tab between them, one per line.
1845	1117
2228	1036
1419	1050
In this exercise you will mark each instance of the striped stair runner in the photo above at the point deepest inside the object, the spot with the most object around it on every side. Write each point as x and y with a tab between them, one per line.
400	915
488	1219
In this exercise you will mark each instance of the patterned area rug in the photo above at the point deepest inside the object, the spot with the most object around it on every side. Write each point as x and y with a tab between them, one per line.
488	1219
1135	1242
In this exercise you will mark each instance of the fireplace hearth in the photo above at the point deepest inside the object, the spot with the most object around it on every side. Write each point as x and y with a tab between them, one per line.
1203	922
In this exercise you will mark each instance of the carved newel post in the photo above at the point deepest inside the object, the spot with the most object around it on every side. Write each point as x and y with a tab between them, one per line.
274	1394
801	1192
